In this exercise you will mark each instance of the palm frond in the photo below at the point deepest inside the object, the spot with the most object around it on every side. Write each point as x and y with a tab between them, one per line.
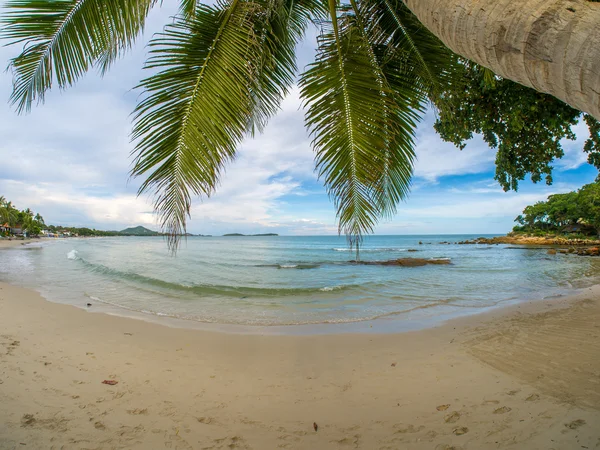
220	71
278	30
392	26
62	39
353	117
188	7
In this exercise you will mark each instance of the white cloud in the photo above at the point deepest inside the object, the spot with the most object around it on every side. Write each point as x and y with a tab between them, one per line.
497	206
69	206
436	158
574	155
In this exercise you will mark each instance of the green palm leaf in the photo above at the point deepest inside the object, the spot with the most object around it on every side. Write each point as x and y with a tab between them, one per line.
64	38
279	28
362	112
188	7
348	115
221	72
394	27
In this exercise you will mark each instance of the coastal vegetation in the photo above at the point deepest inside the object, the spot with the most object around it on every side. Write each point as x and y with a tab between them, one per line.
15	221
576	212
219	72
525	126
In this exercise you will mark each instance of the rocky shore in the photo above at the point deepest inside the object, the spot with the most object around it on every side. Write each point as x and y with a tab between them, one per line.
583	247
533	240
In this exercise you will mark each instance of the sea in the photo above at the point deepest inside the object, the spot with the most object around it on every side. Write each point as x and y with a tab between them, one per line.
292	284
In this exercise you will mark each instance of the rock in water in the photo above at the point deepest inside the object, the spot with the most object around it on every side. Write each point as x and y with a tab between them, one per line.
404	262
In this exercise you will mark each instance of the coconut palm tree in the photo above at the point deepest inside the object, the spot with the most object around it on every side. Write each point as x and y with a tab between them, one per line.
8	213
551	46
218	73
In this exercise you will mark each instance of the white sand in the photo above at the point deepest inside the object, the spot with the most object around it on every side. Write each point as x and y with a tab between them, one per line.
524	378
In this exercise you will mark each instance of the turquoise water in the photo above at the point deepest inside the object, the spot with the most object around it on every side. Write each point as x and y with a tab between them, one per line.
291	280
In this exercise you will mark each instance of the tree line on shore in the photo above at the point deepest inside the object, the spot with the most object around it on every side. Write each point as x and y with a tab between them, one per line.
11	218
16	221
576	212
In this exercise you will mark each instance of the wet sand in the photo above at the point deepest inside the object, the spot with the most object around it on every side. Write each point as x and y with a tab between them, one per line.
525	377
5	243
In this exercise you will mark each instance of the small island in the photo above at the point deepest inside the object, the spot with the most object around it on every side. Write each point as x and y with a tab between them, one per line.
138	231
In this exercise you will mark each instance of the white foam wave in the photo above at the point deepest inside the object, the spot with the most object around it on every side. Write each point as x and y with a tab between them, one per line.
72	254
330	288
288	266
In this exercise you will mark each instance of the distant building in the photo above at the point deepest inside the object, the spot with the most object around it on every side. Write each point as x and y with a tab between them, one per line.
16	229
4	228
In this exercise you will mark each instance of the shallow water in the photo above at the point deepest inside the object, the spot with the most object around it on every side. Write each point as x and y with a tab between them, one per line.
291	280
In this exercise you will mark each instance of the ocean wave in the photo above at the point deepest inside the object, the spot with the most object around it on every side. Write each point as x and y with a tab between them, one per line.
300	266
72	255
209	289
271	321
331	288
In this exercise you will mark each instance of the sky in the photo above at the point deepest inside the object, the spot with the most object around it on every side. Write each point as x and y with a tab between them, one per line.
69	160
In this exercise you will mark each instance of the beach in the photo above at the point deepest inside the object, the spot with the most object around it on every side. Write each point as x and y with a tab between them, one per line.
5	243
525	376
16	243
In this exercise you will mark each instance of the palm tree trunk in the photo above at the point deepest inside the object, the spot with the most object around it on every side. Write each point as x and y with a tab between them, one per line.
552	46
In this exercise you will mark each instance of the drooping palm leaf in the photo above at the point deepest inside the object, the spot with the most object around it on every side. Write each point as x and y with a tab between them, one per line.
350	114
279	29
64	38
219	74
365	96
393	26
188	7
398	79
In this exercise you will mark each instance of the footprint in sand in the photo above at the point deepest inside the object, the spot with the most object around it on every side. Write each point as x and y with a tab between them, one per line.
347	441
27	420
460	431
532	398
408	429
502	410
452	417
443	407
447	447
138	411
575	424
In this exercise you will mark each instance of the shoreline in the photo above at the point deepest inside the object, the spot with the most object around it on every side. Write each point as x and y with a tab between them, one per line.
389	324
12	243
417	318
527	377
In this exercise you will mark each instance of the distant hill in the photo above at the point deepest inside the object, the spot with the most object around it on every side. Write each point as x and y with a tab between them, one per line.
138	231
239	234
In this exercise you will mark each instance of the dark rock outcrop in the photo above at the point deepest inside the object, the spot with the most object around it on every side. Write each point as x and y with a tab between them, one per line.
404	262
